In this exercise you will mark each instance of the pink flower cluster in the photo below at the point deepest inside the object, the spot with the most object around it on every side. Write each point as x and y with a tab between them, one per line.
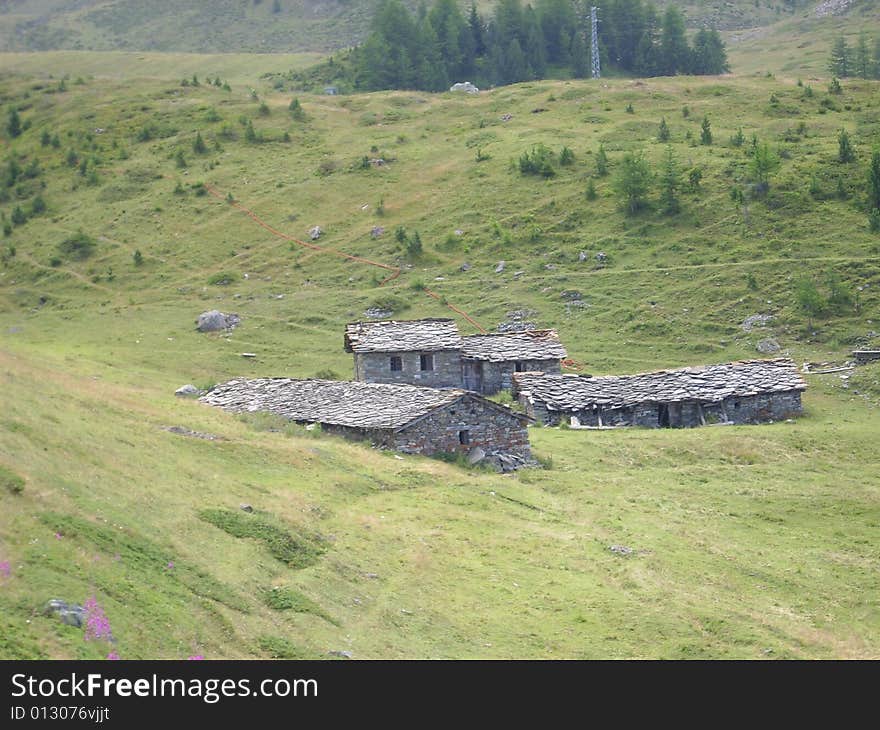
113	656
196	658
97	623
5	569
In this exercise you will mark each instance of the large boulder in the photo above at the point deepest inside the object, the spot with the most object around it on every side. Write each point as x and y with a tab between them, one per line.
214	321
187	391
71	614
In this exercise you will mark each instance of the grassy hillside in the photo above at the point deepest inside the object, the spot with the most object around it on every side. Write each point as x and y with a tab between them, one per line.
746	542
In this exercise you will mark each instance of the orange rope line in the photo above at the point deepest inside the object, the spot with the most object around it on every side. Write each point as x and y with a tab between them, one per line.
395	270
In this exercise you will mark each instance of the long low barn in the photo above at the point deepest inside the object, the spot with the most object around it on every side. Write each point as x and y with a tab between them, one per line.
407	418
751	391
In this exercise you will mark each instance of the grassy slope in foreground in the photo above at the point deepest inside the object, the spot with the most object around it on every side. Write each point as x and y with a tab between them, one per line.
749	542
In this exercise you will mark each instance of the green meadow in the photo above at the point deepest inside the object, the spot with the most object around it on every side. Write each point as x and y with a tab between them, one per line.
730	542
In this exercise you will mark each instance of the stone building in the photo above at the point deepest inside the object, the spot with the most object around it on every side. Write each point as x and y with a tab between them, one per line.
431	352
751	391
489	361
402	417
418	352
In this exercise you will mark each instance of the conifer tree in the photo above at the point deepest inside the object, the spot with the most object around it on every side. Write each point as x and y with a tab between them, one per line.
839	64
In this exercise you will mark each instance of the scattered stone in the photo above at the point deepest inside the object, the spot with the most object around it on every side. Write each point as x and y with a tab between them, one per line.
214	321
378	313
249	354
755	320
500	267
583	256
458	232
517	321
539	110
180	430
768	346
187	391
465	266
476	455
71	614
337	652
551	267
377	162
571	294
517	274
506	117
376	231
621	549
245	507
372	576
465	86
602	257
315	232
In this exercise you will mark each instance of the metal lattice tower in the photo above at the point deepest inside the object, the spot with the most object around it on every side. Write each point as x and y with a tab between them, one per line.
594	42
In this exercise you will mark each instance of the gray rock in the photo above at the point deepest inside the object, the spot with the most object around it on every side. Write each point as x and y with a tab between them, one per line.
621	549
378	313
245	508
214	321
377	231
465	266
602	257
187	391
571	294
71	614
476	455
768	346
315	232
343	654
465	86
583	256
500	267
755	320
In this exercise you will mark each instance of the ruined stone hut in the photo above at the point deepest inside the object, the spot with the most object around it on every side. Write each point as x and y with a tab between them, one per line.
489	361
431	352
397	416
751	391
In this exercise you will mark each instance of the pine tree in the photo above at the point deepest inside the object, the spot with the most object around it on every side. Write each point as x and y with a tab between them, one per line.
580	66
839	64
674	49
845	152
477	30
13	124
633	181
862	60
764	162
601	162
536	56
874	182
199	144
663	131
670	183
296	110
705	131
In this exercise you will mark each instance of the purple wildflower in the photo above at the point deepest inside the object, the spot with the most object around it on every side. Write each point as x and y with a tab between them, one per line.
97	623
58	535
170	565
196	658
113	656
5	569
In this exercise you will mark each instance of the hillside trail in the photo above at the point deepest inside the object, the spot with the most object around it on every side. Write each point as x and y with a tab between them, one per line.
395	270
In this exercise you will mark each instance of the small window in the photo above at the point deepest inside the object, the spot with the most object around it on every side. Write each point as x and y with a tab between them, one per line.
396	364
736	405
519	367
426	361
464	437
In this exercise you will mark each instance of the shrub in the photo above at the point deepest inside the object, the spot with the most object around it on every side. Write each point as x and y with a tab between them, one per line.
38	205
285	546
538	161
10	481
199	144
137	257
78	246
566	157
845	151
222	278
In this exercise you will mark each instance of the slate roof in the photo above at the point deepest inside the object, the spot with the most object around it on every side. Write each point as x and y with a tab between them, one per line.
503	347
425	335
337	402
707	384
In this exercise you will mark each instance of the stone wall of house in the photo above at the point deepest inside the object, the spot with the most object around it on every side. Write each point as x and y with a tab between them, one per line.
764	407
499	375
686	414
487	427
375	367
